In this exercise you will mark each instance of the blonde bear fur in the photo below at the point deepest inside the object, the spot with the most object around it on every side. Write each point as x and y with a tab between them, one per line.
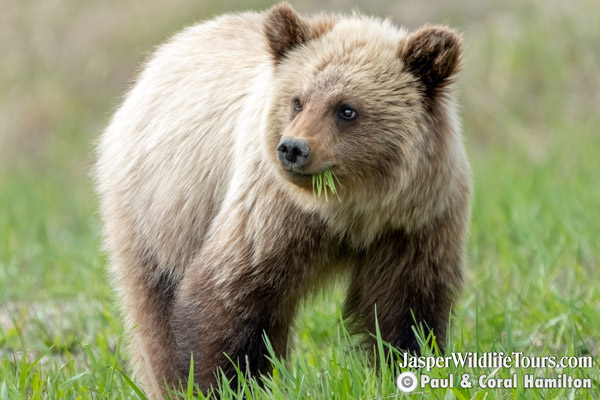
214	238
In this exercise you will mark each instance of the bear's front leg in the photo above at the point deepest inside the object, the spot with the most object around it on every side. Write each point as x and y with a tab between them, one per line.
245	283
215	319
406	274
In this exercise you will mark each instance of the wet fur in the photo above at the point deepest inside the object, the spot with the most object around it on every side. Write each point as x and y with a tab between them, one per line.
211	245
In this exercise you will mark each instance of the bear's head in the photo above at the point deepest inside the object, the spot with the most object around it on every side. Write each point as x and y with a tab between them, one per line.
361	97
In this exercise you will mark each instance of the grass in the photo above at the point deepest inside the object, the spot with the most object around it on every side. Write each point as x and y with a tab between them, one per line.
324	181
529	92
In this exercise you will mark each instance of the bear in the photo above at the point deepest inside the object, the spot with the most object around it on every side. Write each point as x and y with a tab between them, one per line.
205	172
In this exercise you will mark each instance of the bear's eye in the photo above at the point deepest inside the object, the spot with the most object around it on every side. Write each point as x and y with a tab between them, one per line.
297	105
347	113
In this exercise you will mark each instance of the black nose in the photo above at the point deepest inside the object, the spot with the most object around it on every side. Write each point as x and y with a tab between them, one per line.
293	151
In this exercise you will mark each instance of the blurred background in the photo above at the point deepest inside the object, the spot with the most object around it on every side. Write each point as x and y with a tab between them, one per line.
530	96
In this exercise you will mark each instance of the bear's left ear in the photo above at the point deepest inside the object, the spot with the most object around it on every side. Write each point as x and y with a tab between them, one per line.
286	30
432	54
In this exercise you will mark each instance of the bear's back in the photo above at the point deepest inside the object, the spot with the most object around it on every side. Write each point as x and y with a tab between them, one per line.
166	157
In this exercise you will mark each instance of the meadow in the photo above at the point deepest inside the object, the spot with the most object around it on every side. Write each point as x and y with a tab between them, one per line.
530	95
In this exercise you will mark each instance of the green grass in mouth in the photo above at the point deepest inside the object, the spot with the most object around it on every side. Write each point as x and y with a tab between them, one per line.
324	181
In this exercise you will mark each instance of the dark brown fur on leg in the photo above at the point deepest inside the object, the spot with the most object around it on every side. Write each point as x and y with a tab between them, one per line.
405	274
230	299
211	327
148	297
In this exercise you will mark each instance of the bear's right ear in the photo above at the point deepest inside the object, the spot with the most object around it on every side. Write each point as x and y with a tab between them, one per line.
286	30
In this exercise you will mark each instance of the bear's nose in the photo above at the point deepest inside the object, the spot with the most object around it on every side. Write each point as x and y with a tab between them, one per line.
293	151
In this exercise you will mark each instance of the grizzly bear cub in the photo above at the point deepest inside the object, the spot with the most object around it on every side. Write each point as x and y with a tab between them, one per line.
205	178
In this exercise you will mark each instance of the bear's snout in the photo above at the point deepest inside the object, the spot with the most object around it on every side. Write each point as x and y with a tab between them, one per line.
293	152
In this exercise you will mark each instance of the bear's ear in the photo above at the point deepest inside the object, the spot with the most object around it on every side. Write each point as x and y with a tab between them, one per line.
432	54
285	30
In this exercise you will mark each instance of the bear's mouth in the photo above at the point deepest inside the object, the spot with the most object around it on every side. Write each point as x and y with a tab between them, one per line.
298	178
302	179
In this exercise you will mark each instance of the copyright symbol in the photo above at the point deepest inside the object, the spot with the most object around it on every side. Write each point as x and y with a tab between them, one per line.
407	382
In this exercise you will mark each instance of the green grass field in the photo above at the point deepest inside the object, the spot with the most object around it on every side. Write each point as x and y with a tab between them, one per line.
530	95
